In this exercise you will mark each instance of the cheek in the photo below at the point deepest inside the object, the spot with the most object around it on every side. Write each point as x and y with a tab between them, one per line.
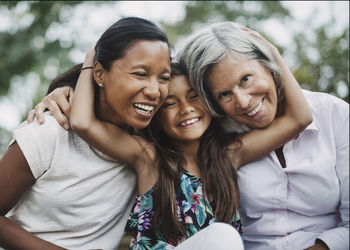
163	92
228	108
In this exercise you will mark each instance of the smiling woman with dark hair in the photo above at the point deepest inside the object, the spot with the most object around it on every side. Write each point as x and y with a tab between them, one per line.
57	191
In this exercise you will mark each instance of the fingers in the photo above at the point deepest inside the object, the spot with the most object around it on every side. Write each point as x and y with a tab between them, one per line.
39	112
64	105
70	94
31	116
55	111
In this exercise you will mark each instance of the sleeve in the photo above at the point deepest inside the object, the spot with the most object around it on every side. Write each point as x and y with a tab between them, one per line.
37	143
338	238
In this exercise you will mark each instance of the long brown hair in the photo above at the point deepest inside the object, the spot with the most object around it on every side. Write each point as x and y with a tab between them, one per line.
219	177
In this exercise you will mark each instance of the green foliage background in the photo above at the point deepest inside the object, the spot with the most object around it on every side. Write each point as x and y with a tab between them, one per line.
321	57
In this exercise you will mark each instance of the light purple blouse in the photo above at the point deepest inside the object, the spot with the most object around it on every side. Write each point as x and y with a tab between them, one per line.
289	208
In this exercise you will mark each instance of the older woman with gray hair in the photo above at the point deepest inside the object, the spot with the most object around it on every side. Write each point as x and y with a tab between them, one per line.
298	196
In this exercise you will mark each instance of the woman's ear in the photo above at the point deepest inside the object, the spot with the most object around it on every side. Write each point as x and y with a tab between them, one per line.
99	73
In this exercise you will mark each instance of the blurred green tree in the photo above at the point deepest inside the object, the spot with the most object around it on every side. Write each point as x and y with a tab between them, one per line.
321	58
25	45
30	44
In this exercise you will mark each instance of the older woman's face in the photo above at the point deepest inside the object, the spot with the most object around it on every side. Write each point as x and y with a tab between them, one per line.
137	84
245	90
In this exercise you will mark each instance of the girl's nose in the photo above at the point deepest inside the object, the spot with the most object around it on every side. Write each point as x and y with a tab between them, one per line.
186	109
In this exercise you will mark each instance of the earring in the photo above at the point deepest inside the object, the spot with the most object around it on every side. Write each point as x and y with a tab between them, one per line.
100	85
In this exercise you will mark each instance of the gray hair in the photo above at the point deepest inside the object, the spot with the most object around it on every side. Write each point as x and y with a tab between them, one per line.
211	44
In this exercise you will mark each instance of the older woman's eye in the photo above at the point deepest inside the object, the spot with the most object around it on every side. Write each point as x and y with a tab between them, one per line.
225	96
245	79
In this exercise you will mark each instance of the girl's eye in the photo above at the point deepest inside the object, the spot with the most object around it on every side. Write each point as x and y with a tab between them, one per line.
225	96
168	104
193	97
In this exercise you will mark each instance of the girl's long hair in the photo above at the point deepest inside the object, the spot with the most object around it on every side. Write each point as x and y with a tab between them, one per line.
218	176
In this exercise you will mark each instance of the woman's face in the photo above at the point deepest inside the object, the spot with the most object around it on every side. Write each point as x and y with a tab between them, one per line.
137	84
183	116
245	90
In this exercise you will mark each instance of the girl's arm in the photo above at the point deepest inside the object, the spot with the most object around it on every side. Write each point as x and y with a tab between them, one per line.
15	178
296	118
105	136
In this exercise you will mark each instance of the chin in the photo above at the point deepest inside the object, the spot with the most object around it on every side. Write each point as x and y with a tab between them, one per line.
139	124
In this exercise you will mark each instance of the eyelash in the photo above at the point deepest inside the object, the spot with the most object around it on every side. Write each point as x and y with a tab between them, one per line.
140	74
245	79
224	94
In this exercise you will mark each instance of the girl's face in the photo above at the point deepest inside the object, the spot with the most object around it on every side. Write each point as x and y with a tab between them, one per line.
183	116
245	90
136	84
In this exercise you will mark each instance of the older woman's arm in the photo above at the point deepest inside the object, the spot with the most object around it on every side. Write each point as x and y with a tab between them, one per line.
338	238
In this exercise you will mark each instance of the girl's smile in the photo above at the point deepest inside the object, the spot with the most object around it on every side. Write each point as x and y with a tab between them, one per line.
183	116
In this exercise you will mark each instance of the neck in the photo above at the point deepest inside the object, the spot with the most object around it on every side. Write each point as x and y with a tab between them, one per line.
105	113
189	151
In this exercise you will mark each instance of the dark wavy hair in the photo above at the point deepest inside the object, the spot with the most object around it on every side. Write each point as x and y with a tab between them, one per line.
218	176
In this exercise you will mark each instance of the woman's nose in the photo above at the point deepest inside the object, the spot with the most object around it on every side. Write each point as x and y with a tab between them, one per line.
152	90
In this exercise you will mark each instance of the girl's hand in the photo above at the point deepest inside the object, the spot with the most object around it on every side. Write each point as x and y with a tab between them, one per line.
58	102
89	58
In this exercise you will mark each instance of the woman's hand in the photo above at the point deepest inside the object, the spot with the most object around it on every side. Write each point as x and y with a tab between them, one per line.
58	102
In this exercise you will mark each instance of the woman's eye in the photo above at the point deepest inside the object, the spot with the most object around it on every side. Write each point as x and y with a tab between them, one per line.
139	73
165	78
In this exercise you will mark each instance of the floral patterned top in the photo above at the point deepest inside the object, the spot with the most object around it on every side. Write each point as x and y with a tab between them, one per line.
194	211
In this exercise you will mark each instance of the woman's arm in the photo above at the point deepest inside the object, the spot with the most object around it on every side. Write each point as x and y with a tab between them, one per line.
15	178
297	116
105	136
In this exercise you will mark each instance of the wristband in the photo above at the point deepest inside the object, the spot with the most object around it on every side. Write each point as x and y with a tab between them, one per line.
88	67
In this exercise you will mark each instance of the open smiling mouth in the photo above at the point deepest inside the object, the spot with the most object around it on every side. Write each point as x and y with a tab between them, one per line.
143	109
190	122
256	109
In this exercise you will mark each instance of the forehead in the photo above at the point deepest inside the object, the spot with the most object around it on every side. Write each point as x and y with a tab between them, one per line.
143	51
179	84
231	68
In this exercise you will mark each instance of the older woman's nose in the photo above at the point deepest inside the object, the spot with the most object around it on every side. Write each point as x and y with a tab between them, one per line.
242	99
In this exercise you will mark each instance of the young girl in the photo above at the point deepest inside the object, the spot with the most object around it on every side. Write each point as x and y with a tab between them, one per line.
186	180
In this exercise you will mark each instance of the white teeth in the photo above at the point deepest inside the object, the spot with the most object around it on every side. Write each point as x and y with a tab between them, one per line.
254	111
145	108
188	122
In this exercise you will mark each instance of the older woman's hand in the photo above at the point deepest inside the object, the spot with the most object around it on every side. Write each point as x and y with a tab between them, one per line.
58	102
